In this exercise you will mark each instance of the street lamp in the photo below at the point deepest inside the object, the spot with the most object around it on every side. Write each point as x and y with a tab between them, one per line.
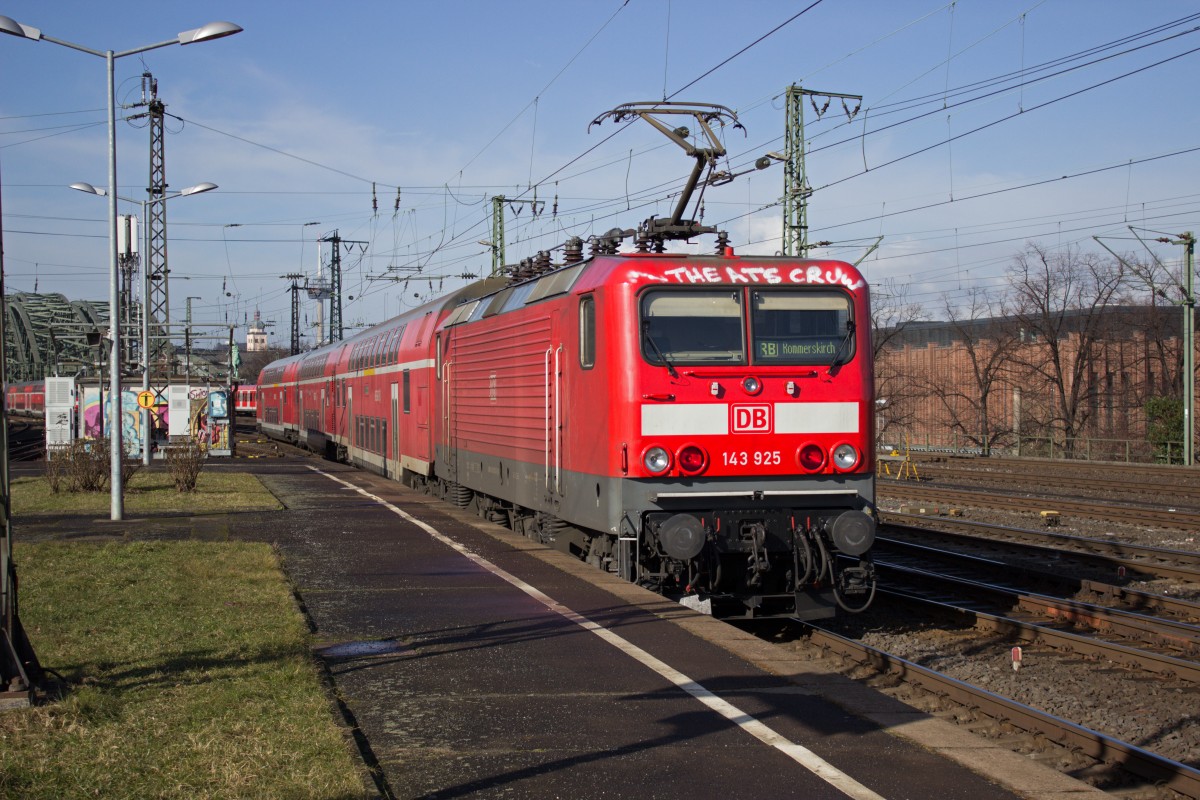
197	189
213	30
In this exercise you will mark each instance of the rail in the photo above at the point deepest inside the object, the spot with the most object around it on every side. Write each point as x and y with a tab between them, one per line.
1157	562
1149	766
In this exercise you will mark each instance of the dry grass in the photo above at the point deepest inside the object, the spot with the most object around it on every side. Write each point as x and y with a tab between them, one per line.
149	492
191	676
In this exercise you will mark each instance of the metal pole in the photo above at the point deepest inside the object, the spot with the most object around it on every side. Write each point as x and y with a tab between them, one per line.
114	305
1189	351
145	334
187	343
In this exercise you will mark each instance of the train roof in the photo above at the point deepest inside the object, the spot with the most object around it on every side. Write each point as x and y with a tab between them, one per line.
496	295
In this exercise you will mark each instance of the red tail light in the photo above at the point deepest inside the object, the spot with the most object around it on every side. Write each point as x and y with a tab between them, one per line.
810	457
691	459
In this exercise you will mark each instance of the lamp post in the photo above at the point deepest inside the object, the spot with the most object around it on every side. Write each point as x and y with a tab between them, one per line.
145	204
213	30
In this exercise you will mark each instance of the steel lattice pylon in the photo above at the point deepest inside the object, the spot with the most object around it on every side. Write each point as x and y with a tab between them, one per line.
796	188
156	212
795	183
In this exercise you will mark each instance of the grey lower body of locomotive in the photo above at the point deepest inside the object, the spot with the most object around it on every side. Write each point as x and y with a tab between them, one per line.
765	546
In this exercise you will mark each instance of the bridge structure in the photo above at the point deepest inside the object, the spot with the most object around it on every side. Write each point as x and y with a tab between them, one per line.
47	335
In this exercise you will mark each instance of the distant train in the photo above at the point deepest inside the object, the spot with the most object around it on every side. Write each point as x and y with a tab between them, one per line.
700	424
245	399
29	399
25	399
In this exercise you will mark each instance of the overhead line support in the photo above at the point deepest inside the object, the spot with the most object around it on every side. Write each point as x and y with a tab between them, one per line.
796	188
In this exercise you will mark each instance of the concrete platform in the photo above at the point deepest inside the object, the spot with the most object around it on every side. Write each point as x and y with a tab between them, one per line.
474	663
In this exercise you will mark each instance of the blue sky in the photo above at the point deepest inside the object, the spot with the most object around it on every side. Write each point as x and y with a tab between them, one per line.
454	102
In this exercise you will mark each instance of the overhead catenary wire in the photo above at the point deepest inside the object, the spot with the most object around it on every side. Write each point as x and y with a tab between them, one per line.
448	238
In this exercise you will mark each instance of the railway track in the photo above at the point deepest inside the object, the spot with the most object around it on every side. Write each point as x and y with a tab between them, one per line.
1007	715
1022	501
1105	656
1183	489
1047	620
1095	592
1110	557
1027	468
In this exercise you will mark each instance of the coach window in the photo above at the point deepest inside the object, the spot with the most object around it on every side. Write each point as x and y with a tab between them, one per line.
587	332
801	327
405	391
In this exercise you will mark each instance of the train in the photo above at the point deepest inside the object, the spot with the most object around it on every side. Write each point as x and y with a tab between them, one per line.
25	399
245	399
29	399
702	425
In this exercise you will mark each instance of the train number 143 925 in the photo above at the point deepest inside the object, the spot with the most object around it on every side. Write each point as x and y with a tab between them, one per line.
759	458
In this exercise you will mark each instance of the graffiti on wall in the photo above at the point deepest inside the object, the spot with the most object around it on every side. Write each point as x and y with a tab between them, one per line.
131	418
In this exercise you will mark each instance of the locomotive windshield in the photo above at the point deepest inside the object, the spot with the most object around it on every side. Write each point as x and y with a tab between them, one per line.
795	327
692	327
800	327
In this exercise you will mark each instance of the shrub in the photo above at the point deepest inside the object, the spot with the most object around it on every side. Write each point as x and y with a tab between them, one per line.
84	466
184	462
56	468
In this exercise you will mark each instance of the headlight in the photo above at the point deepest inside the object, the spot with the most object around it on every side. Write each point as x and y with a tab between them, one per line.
657	460
845	457
751	385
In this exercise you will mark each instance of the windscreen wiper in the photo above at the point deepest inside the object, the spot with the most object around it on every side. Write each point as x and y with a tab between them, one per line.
654	345
836	364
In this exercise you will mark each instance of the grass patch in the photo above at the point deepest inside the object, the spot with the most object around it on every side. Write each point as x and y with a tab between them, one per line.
191	677
149	492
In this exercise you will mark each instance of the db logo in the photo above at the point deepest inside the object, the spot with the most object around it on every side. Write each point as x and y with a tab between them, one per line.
750	419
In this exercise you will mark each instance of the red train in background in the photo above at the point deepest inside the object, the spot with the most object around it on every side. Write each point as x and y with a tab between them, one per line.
25	399
245	399
702	425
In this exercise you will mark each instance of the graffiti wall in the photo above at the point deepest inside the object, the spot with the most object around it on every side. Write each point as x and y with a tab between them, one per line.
131	418
208	420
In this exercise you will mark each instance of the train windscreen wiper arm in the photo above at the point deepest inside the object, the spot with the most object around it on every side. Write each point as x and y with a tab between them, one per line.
836	364
653	344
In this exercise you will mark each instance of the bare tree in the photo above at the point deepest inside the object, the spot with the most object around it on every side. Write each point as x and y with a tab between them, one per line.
896	390
253	363
1061	301
1161	296
985	340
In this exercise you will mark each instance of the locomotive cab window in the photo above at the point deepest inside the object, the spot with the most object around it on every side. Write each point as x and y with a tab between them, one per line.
686	327
801	327
587	332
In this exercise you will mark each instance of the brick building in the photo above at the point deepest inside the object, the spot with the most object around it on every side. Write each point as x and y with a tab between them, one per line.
994	383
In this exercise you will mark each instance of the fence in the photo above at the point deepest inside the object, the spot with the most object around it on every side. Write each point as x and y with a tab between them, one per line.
1082	448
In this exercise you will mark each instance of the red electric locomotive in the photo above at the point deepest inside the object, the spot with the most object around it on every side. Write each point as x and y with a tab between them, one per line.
702	425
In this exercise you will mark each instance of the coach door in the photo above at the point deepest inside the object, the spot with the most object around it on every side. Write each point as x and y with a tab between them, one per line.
449	406
395	443
553	366
351	428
